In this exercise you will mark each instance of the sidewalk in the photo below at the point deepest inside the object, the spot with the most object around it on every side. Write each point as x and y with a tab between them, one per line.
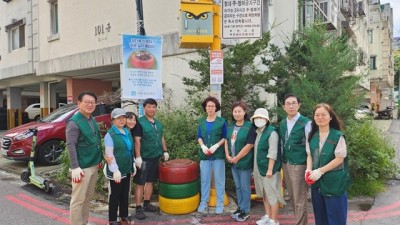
383	209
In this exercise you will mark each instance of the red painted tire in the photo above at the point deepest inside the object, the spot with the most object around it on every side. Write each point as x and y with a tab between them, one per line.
178	171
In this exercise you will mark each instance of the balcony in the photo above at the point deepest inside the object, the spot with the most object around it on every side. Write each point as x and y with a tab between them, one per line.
360	9
321	12
347	9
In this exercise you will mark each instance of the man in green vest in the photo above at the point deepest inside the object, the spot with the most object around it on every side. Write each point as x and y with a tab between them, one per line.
293	131
85	155
149	147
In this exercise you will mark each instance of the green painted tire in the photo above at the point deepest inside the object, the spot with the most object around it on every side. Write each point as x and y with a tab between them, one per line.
178	191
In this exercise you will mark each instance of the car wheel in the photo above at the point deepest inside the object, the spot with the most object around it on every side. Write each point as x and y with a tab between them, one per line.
36	118
49	153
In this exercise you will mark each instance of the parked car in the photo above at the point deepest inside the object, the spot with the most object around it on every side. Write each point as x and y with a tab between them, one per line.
33	111
364	112
16	143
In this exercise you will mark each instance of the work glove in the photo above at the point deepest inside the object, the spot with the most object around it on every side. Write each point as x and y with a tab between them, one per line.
77	175
214	148
316	174
117	177
307	177
134	170
138	162
166	156
204	149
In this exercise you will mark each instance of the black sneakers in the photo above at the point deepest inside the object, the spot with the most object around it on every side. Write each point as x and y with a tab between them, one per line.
140	214
236	214
150	208
242	216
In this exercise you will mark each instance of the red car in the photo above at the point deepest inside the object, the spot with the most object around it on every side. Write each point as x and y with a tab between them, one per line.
16	143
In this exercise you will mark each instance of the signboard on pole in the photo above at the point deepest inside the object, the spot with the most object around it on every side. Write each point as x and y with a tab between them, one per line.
241	19
216	67
141	75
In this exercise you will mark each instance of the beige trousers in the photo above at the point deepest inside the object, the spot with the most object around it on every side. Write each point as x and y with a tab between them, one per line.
297	189
82	193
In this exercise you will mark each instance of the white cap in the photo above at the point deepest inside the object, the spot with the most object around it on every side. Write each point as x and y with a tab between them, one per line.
117	112
260	113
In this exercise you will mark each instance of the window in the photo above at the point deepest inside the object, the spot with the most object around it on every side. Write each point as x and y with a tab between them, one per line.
54	17
370	36
372	63
17	37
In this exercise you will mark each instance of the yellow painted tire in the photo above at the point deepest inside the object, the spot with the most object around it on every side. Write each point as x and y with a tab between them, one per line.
179	206
212	202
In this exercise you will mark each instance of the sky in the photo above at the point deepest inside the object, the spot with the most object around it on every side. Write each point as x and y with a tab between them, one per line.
395	4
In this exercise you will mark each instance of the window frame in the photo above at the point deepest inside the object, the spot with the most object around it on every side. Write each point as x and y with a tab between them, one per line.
16	28
372	62
54	25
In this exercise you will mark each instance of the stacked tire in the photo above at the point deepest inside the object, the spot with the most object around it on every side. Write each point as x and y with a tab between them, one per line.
179	186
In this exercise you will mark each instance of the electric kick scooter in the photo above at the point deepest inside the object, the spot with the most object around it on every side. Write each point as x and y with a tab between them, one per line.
29	175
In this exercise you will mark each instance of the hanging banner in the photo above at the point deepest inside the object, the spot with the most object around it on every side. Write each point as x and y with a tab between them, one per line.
141	73
216	67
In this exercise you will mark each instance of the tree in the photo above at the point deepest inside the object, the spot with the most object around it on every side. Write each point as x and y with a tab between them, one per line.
316	68
243	78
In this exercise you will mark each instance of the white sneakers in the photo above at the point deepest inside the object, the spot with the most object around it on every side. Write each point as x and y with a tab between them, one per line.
265	220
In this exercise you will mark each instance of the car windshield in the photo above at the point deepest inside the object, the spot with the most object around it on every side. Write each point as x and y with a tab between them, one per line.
59	114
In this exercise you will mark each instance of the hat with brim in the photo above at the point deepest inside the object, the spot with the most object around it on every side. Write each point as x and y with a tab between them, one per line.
260	113
117	112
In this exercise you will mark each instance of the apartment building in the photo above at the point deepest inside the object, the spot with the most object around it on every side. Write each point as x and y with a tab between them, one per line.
51	50
381	54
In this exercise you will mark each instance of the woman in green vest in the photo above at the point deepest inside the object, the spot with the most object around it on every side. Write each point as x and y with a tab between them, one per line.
211	135
239	152
267	164
119	146
327	166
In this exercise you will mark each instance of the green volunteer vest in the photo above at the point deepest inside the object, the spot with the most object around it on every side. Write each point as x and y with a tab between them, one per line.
262	152
150	143
246	162
88	147
214	137
294	148
123	157
336	181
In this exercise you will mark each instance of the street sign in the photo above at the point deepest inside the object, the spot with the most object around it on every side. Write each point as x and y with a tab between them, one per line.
241	19
216	67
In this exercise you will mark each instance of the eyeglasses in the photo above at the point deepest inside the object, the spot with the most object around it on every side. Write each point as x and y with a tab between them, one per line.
291	103
89	103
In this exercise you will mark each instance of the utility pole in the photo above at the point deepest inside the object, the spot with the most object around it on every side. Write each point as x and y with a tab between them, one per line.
140	18
216	89
140	31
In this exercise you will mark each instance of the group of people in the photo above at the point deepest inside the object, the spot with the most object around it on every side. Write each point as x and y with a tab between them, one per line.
310	152
133	148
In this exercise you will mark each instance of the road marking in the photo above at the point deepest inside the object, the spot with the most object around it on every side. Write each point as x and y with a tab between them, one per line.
37	210
46	209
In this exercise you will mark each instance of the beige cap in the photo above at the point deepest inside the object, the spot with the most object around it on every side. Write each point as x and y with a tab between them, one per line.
260	113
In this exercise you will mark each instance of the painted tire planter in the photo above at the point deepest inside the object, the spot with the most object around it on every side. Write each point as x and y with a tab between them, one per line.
178	171
179	206
178	191
212	202
143	60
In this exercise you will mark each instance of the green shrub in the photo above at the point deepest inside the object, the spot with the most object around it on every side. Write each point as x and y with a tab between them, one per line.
370	158
180	133
64	175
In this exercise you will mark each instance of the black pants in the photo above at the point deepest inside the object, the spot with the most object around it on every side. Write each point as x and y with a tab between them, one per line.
119	198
